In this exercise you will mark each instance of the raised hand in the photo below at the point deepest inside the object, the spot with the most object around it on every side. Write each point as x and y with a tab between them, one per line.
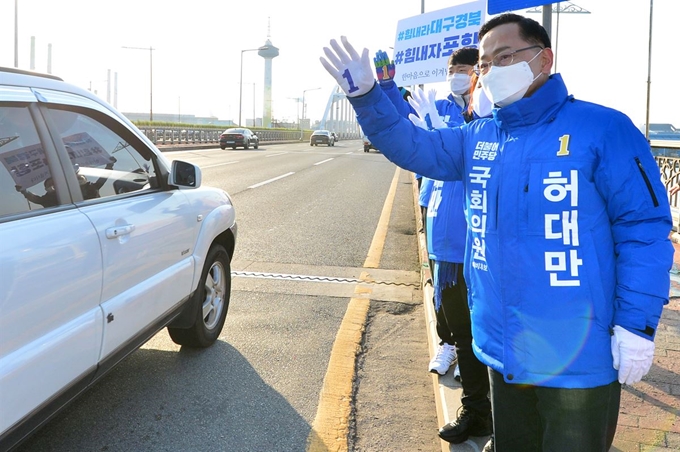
384	68
418	121
424	104
352	72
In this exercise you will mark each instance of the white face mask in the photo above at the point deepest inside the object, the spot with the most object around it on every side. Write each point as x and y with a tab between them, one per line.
481	104
460	83
507	84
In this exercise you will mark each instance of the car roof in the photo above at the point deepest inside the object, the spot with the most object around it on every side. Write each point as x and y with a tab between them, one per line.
31	80
32	73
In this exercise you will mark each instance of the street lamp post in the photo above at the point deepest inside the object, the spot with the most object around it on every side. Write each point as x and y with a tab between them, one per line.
240	83
150	49
16	33
303	104
649	67
297	102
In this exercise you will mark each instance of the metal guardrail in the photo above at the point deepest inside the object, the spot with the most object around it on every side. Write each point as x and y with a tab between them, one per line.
667	156
188	135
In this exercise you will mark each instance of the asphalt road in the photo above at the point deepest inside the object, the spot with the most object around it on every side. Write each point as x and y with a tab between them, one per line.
312	222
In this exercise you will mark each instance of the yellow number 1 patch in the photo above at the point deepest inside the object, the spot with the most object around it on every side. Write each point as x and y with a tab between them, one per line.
564	146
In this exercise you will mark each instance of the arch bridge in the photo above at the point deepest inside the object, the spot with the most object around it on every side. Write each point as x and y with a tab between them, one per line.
339	116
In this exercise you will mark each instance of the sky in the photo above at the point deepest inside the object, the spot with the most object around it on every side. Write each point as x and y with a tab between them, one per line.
603	56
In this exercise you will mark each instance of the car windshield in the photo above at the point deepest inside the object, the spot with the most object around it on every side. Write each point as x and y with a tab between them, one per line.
234	131
321	132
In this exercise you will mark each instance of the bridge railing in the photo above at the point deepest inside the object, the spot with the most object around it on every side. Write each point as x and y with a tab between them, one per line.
199	135
667	156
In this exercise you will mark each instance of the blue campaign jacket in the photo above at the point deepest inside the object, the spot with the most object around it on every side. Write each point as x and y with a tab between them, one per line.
425	191
568	228
444	200
446	220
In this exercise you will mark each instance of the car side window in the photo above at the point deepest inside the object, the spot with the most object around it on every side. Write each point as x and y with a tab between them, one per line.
106	163
25	178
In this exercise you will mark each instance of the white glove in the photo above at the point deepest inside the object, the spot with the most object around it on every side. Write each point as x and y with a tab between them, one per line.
418	121
425	105
632	354
353	73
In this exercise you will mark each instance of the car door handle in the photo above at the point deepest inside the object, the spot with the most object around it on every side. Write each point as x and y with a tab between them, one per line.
117	231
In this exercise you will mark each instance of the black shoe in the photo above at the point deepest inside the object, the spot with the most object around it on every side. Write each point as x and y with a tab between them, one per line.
468	424
489	447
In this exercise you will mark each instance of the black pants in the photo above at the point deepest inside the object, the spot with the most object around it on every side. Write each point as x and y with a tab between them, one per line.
537	419
454	327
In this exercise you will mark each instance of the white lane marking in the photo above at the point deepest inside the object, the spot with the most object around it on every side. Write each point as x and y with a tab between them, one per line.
273	155
220	164
271	180
200	151
348	153
323	161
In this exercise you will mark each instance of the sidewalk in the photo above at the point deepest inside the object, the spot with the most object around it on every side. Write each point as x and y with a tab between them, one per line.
649	417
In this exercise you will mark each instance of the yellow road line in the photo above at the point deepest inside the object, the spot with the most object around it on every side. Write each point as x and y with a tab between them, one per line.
378	243
330	429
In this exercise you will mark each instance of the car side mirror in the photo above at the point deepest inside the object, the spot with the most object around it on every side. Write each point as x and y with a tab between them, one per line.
184	174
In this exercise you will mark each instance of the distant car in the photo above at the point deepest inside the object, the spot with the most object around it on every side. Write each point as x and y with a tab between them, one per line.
239	138
321	137
367	144
108	226
336	137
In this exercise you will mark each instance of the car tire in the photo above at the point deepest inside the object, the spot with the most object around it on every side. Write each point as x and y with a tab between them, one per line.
366	148
245	146
257	145
211	300
223	147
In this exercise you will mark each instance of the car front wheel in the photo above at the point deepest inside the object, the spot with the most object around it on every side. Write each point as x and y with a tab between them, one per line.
257	144
211	300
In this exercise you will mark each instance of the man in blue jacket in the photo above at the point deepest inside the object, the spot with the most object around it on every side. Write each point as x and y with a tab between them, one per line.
568	249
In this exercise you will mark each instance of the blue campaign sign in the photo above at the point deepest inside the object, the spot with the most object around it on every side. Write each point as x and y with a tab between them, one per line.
499	6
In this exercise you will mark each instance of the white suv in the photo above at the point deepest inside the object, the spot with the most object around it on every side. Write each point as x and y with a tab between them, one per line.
103	243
